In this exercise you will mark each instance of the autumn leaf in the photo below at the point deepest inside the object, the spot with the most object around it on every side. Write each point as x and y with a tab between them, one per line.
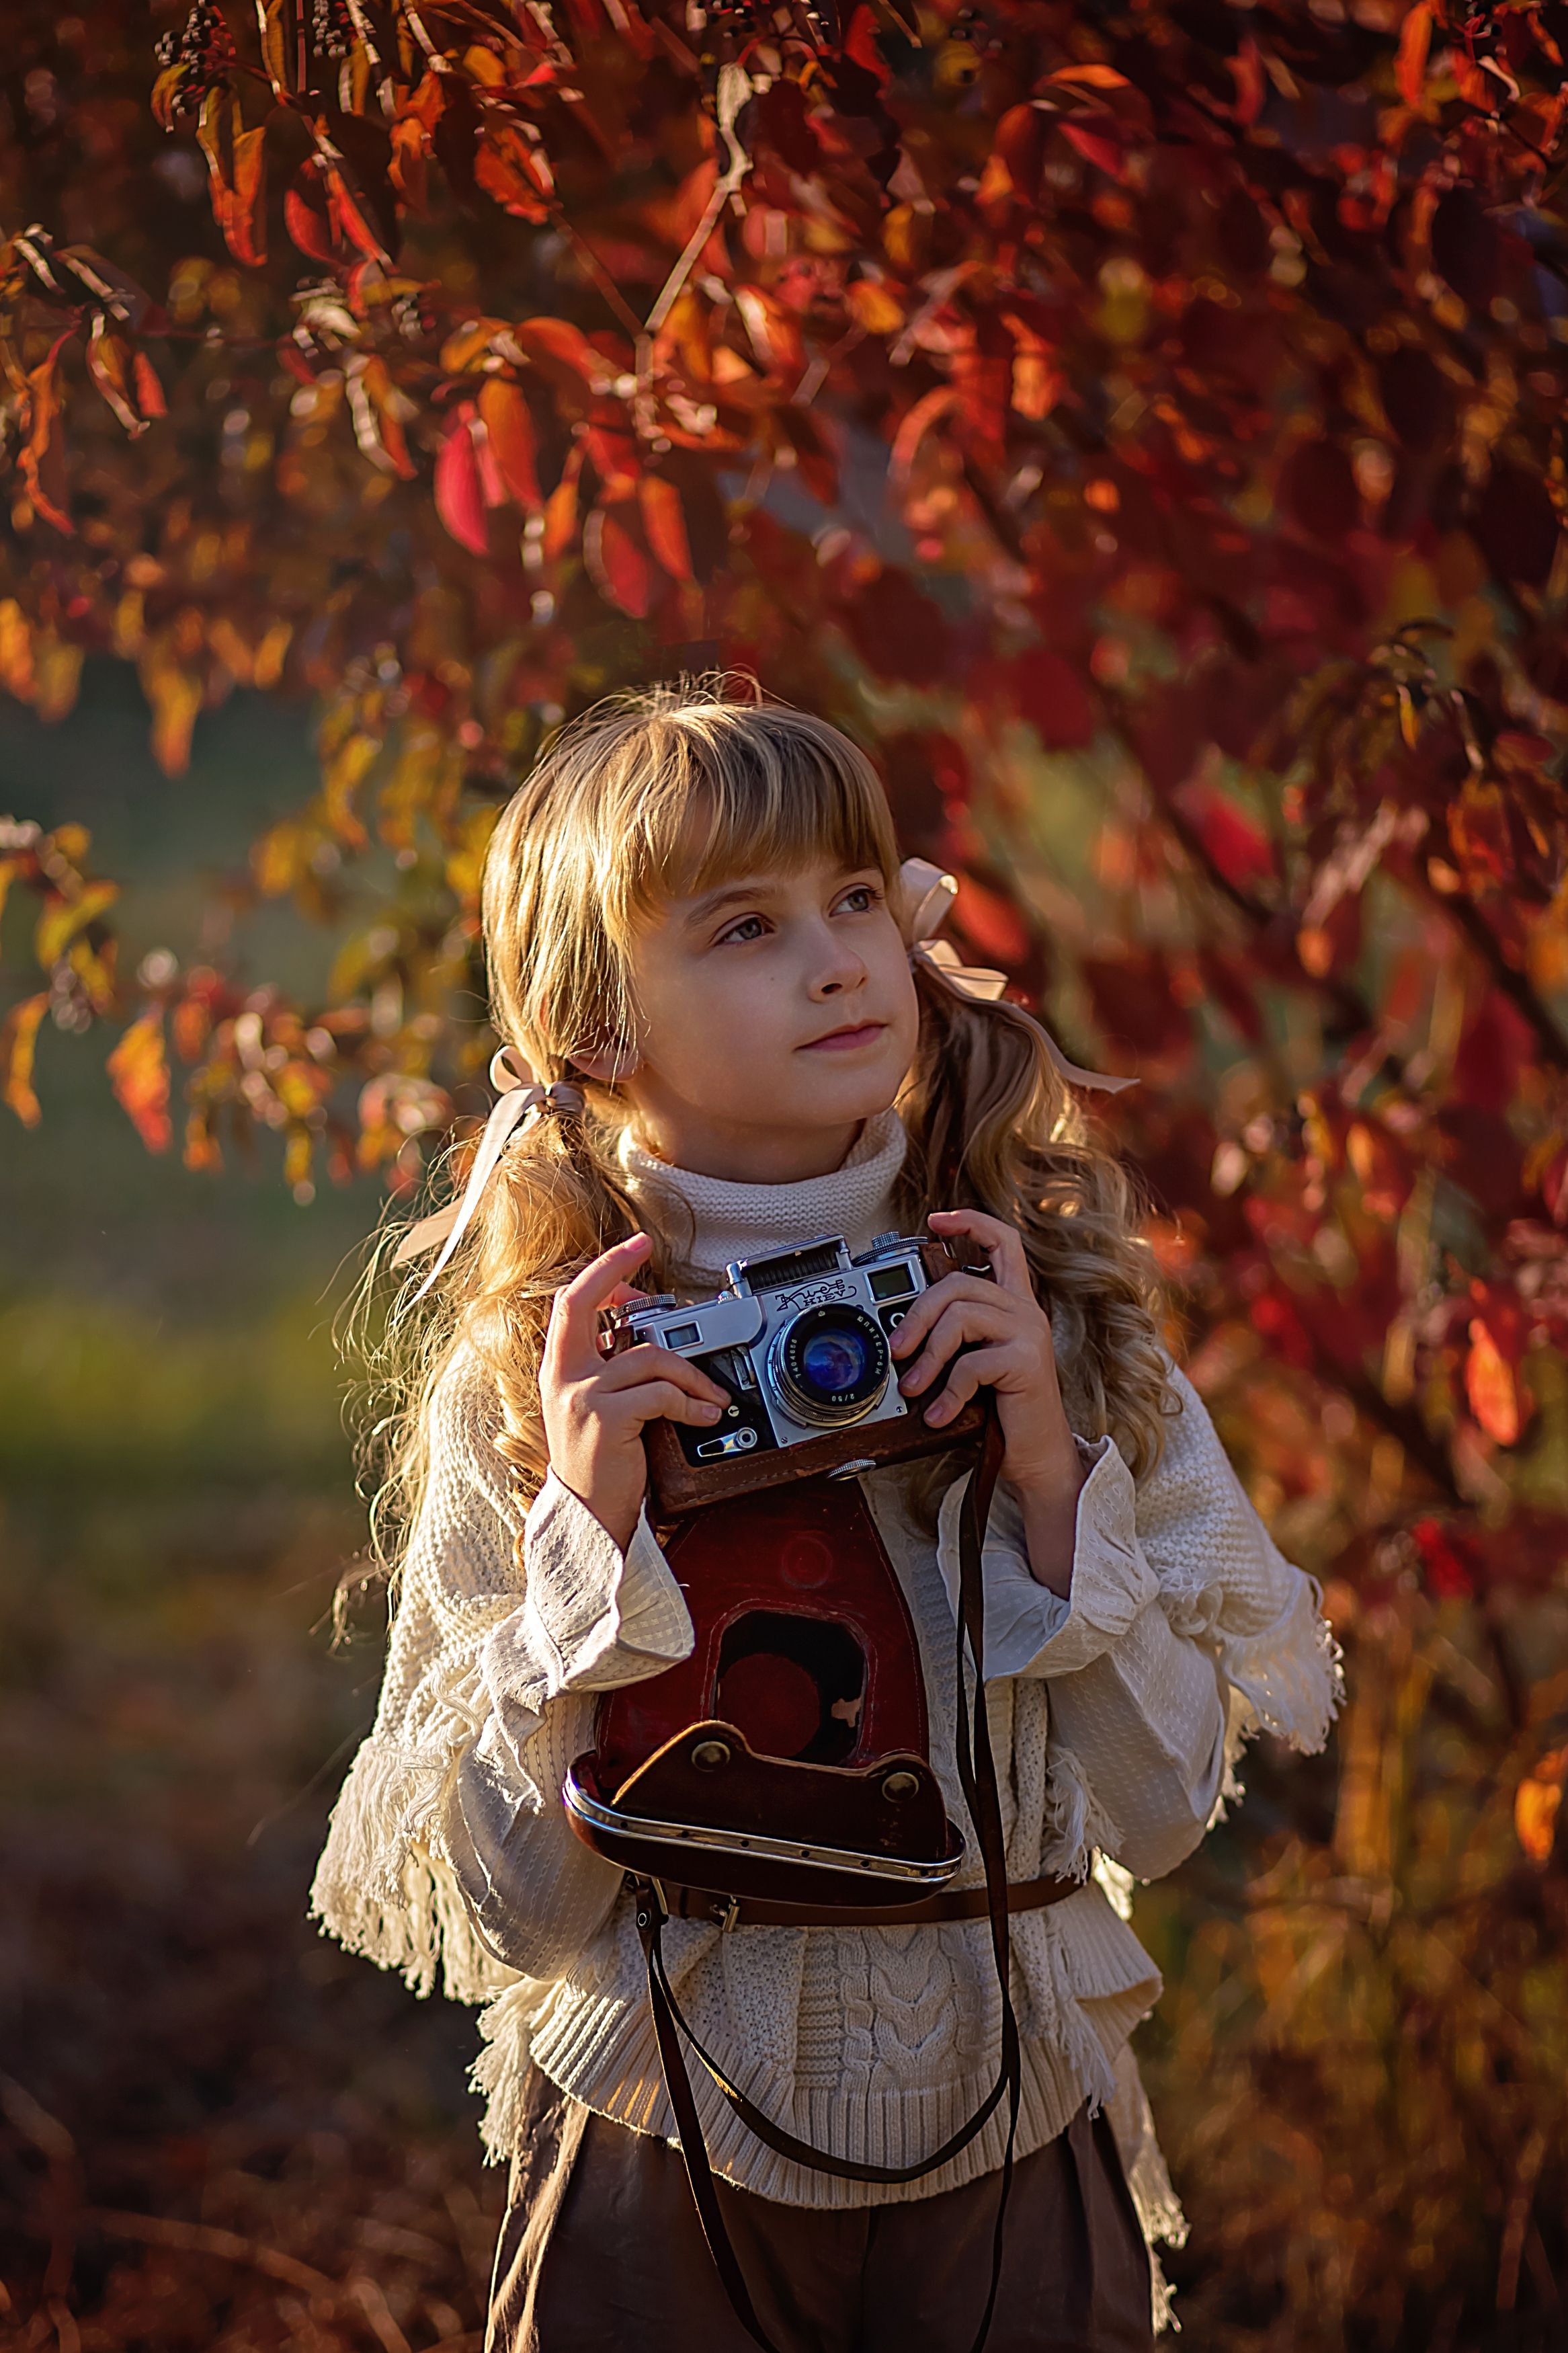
18	1043
1491	1386
140	1073
1410	68
1537	1802
235	159
508	429
616	564
460	491
665	524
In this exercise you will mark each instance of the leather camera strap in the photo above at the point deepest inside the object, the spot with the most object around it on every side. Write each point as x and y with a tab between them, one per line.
977	1777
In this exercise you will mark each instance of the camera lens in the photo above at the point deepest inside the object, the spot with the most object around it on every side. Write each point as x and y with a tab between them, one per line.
830	1363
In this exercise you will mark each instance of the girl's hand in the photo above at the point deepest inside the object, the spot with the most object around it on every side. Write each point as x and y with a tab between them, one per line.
595	1406
1007	1335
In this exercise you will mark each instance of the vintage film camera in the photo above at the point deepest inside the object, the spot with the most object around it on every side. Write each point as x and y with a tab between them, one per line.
787	1757
799	1338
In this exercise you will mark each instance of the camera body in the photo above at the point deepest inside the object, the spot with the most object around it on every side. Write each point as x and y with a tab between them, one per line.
799	1339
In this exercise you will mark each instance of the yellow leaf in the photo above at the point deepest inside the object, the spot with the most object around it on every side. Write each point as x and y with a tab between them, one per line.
62	919
18	1043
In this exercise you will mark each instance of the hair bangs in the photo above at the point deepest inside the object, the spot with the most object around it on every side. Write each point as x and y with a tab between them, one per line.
766	795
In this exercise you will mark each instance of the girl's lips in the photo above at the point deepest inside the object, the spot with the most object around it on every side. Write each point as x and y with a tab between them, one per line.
840	1041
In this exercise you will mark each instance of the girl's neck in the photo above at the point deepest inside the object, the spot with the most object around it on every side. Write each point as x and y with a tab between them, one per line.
736	1154
735	1219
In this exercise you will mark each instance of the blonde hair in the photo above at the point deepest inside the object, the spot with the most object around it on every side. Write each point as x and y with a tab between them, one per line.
669	789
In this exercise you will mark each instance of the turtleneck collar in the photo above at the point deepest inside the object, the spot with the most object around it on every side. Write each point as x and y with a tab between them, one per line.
735	1221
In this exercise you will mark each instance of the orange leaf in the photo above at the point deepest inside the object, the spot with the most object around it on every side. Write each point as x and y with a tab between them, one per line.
664	521
41	447
1537	1802
141	1078
1415	42
616	564
509	426
18	1043
561	509
1491	1388
563	350
234	165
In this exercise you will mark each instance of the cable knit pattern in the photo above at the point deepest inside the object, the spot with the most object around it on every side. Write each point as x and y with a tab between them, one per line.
1117	1713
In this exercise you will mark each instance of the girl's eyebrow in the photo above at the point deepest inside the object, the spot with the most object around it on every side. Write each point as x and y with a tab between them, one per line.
711	902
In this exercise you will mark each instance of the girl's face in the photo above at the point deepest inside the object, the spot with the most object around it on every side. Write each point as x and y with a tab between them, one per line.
778	1012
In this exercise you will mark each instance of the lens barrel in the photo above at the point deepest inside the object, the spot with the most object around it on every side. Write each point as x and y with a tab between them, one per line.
830	1365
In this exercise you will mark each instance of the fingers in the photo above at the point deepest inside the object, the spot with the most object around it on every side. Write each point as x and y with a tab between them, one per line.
981	1365
1002	1243
664	1400
963	1321
932	1305
636	1368
573	1329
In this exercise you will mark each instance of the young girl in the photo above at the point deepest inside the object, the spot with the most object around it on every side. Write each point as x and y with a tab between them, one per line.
700	940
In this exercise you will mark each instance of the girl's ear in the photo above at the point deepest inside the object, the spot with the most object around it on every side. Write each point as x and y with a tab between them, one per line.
610	1064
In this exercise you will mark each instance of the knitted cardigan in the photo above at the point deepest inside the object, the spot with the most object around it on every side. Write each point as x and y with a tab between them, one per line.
1117	1717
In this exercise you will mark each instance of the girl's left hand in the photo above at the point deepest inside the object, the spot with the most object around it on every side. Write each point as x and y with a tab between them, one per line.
1008	1334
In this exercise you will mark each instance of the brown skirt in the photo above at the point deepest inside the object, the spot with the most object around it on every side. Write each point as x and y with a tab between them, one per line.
601	2249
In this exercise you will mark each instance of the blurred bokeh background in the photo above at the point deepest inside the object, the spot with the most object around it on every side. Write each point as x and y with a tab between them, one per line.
1142	428
178	1506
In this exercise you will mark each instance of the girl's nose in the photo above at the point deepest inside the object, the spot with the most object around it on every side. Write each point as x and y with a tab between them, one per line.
838	969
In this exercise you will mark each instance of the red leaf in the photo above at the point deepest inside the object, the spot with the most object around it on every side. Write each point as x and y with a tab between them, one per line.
1098	145
1449	1574
508	428
459	491
617	565
1236	842
1054	700
305	215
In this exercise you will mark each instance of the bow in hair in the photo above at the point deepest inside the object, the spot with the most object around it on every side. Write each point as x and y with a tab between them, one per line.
927	897
520	1100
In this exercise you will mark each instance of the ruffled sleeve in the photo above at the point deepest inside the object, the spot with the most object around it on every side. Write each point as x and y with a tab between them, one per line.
1183	1631
448	1849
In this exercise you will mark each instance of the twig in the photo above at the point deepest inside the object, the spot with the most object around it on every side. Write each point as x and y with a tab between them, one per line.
203	2239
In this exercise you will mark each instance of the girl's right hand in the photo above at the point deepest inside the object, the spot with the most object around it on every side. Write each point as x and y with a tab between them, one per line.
595	1406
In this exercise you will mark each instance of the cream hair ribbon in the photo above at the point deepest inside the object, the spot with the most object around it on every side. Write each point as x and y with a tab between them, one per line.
928	895
520	1100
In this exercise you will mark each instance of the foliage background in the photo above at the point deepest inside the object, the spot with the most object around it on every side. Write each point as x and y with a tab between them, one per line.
1142	427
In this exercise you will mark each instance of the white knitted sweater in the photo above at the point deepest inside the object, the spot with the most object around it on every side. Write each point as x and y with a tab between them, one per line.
1117	1715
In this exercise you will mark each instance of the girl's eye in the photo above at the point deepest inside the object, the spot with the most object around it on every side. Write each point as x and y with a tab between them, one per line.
861	899
749	927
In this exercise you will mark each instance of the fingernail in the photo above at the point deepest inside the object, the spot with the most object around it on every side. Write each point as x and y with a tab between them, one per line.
938	1412
710	1412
